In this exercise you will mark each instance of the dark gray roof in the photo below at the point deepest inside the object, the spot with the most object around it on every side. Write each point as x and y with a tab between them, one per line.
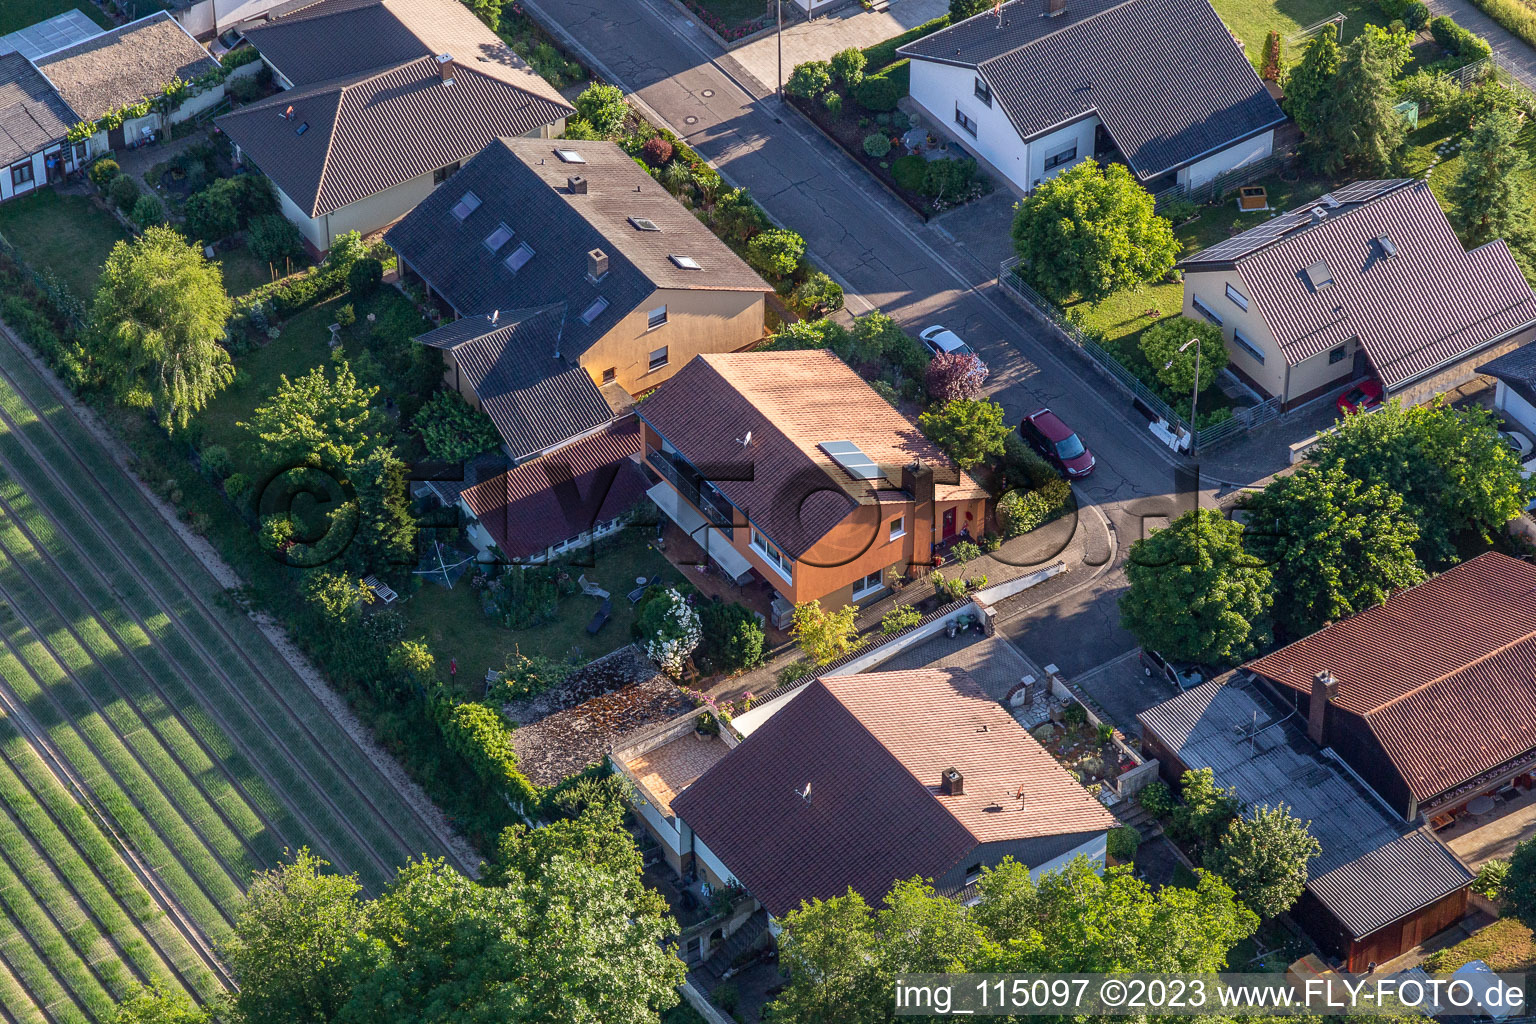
125	65
535	397
351	138
1164	76
1263	752
32	115
1335	203
521	183
1517	369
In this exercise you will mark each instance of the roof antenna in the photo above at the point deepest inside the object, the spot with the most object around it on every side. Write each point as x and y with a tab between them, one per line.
805	794
745	442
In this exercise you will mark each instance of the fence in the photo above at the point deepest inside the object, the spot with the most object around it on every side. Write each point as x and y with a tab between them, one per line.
1512	78
1241	421
1218	185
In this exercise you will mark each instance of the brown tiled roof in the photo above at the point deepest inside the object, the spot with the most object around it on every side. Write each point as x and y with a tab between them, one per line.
1429	303
32	115
1443	673
125	65
562	494
872	748
791	403
374	130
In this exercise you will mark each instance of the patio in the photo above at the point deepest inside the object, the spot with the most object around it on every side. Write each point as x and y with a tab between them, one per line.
1479	838
667	770
690	559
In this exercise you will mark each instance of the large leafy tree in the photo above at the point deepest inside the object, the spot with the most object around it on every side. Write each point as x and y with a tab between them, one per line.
1195	594
144	1005
318	419
158	322
1358	130
1489	198
1454	473
1519	890
1161	342
824	635
1090	232
968	430
1204	809
1335	544
1310	80
1263	857
833	955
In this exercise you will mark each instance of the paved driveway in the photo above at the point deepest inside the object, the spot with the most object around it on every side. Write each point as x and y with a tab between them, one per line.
1122	690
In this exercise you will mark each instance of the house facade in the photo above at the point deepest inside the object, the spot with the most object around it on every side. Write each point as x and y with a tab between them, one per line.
34	128
1368	281
1038	85
789	468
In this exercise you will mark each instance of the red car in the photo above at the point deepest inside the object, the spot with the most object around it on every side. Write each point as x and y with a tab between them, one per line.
1058	443
1363	397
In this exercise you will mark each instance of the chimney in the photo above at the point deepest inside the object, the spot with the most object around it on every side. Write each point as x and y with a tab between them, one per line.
1325	688
1055	8
445	67
597	264
952	783
1318	213
917	481
577	185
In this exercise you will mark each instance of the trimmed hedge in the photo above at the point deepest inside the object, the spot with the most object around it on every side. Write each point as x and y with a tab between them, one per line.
878	93
882	54
482	737
1465	46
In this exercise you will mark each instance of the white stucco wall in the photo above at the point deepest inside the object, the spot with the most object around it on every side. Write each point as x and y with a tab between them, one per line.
205	100
939	88
1515	407
711	861
1094	849
1078	135
7	191
1229	159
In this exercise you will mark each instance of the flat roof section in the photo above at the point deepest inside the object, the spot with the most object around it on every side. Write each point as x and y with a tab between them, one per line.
669	769
57	32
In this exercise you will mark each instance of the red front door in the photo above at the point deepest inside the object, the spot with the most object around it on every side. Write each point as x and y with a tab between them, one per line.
949	524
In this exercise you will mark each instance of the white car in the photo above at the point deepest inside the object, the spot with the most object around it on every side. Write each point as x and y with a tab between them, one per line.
939	338
1517	442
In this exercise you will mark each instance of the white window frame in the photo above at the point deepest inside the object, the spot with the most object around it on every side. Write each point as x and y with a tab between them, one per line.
651	318
772	555
1205	311
659	364
1253	351
1238	298
1066	156
965	121
863	588
23	165
898	529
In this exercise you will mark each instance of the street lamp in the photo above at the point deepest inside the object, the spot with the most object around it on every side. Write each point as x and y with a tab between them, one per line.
779	5
1194	396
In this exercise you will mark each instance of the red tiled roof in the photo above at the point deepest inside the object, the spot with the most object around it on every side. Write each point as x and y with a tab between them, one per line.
872	747
562	494
1444	673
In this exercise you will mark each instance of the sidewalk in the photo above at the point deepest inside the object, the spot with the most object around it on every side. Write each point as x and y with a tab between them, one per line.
1514	54
828	33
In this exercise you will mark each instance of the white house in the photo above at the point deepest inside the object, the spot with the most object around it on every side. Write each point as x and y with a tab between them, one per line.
1037	85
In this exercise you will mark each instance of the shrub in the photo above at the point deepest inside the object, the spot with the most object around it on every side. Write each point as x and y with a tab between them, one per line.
1432	91
1122	843
482	737
1463	45
968	431
909	172
964	551
877	144
365	276
833	101
990	542
656	151
1489	882
816	296
244	90
147	210
847	66
217	461
527	677
733	638
452	430
1271	69
951	376
1416	15
1018	512
124	192
948	179
877	93
776	252
1156	799
602	109
899	617
794	672
272	238
211	216
1074	715
252	195
670	630
103	171
809	80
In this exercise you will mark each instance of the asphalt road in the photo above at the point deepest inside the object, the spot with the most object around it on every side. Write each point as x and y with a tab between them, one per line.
886	258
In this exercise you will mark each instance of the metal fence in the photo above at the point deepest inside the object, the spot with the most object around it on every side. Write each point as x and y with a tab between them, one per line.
1241	421
1222	183
1512	78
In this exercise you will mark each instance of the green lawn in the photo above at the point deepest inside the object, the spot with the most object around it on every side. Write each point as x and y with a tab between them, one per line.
67	233
244	272
1252	20
19	14
455	626
1505	945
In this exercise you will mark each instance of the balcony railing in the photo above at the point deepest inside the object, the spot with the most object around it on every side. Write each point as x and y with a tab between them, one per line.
717	512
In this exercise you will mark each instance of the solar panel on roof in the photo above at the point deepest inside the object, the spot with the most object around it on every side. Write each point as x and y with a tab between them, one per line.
852	459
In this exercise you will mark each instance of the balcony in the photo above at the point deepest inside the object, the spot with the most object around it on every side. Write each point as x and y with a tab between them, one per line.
702	494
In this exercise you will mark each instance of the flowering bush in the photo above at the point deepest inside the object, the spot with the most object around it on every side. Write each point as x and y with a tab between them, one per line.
670	629
952	376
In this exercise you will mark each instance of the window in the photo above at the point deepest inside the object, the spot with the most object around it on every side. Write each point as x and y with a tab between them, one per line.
1320	275
983	92
79	152
467	204
1065	156
1336	356
595	310
610	375
898	528
1238	298
868	585
301	129
498	238
643	224
973	874
772	555
658	359
964	121
519	258
1206	311
21	174
442	174
1247	346
570	156
655	318
685	262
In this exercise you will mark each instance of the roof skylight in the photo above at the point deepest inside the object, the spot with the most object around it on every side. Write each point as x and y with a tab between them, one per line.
466	205
595	310
1388	247
519	257
852	459
643	224
498	238
570	156
1319	275
686	262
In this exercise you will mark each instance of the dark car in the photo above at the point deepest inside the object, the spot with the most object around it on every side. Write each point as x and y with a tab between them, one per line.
1182	675
1058	443
1363	397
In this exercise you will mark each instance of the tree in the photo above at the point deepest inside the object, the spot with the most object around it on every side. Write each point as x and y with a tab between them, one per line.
733	639
809	80
1271	67
1204	811
595	836
385	536
832	954
1518	892
1263	857
364	277
811	334
1309	82
955	376
671	630
147	210
489	11
1335	545
273	238
337	596
967	430
291	942
1488	198
1454	473
603	108
1358	129
318	420
776	252
1160	343
1091	232
452	429
848	66
146	1005
1194	594
959	10
158	322
825	636
211	215
412	660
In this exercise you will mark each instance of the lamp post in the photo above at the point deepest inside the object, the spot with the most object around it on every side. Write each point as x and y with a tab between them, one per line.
1194	396
779	6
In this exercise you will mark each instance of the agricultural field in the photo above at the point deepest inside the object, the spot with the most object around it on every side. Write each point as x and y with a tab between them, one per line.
155	750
